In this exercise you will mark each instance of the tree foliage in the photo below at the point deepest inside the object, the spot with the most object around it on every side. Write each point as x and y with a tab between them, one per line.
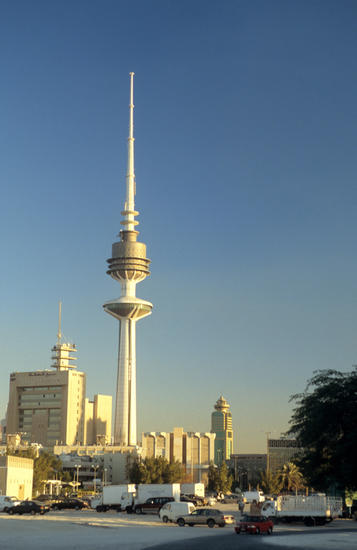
270	483
290	478
324	423
155	470
219	478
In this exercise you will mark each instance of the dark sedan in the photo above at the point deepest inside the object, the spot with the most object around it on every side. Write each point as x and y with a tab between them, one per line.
152	505
29	507
73	503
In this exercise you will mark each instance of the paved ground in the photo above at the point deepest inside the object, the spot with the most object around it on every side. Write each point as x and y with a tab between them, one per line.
71	530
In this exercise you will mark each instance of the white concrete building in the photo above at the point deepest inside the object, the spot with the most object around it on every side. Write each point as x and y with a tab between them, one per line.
16	476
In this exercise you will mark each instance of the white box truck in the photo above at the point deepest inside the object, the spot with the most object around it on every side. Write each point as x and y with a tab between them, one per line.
312	510
139	501
112	497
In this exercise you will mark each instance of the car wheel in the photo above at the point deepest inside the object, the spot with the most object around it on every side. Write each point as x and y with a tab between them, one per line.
77	507
181	522
55	507
138	510
33	512
10	511
238	531
165	519
257	531
269	531
42	512
211	523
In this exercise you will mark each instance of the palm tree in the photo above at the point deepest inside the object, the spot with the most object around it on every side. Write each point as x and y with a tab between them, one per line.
291	477
270	483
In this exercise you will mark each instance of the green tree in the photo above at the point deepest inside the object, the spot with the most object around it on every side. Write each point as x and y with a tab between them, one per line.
155	470
219	478
270	483
324	424
291	478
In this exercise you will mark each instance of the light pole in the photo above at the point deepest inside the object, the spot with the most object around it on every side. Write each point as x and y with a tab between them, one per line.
104	476
95	468
77	466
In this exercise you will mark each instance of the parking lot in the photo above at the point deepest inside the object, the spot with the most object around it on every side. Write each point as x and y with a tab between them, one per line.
74	530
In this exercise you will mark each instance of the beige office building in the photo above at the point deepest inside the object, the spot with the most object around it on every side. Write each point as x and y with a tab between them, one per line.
98	420
194	450
47	406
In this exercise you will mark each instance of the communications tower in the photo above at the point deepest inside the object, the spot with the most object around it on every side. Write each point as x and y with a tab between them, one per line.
128	265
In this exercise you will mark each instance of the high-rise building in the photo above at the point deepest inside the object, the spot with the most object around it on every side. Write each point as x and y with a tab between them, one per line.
221	425
128	265
48	406
98	420
194	450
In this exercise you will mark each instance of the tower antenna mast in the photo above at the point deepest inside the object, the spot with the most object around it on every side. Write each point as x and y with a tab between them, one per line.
59	334
129	211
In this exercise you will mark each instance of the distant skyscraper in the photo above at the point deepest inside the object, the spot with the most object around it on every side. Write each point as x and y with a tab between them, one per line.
221	425
194	450
128	265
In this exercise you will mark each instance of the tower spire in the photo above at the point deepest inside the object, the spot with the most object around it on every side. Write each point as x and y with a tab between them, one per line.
129	211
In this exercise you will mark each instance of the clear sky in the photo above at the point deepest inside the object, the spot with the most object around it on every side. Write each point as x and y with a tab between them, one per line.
245	126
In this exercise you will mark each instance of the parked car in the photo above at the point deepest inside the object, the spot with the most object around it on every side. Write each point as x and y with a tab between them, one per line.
73	503
205	516
29	507
254	525
230	499
152	505
194	499
7	502
173	510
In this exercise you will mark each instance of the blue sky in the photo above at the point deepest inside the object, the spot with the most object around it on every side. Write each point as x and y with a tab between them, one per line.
245	126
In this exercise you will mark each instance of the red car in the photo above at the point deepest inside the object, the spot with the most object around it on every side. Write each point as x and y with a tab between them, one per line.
254	525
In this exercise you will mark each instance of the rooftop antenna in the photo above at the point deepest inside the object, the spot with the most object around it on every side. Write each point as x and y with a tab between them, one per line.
59	334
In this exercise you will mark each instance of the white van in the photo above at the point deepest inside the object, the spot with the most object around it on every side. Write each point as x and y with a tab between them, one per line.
172	510
249	496
7	502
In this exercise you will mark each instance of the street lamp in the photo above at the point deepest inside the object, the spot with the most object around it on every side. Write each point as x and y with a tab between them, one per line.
95	468
77	466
